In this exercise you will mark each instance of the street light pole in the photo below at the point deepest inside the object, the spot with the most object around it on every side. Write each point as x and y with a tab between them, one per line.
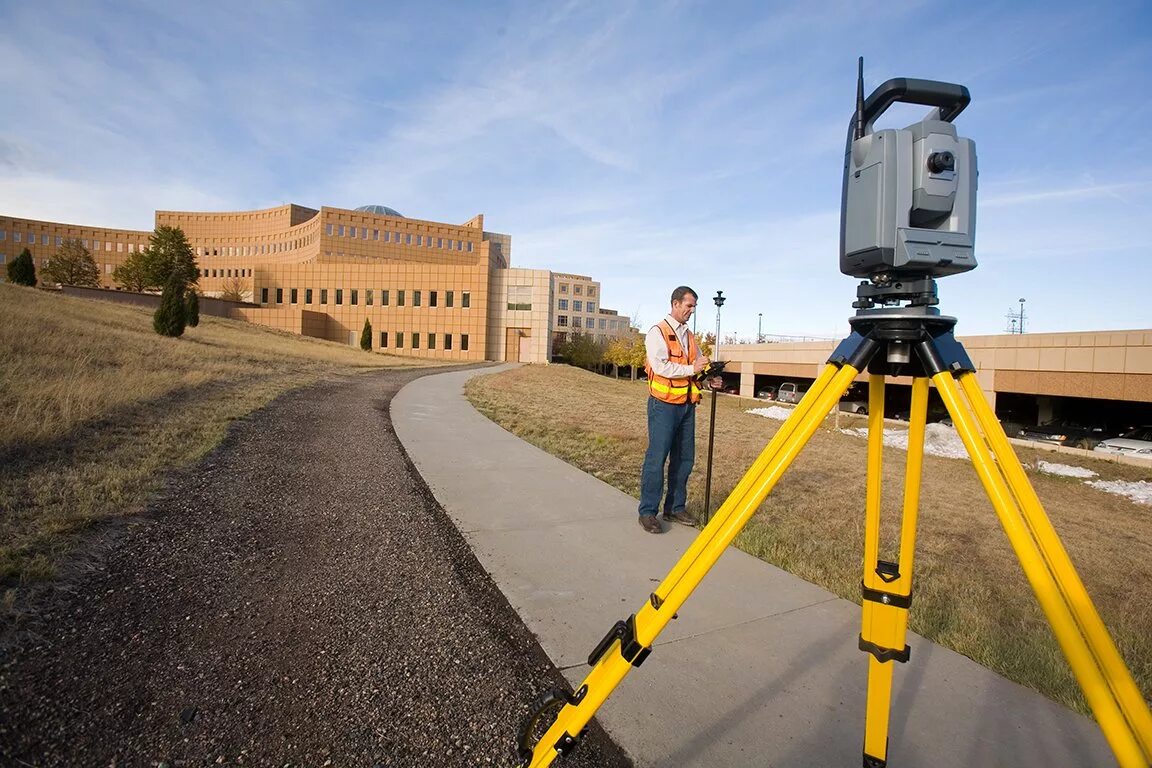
759	334
1021	315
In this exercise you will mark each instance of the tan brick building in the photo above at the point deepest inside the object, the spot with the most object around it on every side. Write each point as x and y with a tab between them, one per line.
428	288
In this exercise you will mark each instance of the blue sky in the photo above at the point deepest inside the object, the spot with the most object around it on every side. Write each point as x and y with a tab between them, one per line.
645	144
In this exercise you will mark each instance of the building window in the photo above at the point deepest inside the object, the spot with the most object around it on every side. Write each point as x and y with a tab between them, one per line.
16	238
576	322
399	298
341	230
293	296
591	306
353	297
44	241
263	295
577	306
431	298
465	299
351	231
307	295
415	298
329	229
602	323
431	341
383	339
399	339
562	321
339	295
323	295
415	340
464	342
368	297
279	295
439	242
363	233
4	236
408	239
469	246
375	234
579	289
563	304
519	297
448	296
383	297
447	341
563	287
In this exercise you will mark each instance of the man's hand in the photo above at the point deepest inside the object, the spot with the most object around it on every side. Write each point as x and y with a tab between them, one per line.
716	383
700	364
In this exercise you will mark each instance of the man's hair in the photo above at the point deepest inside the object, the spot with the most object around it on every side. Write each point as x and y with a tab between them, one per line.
682	291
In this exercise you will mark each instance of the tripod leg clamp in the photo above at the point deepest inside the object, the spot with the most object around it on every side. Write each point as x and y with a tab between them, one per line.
630	649
554	699
885	654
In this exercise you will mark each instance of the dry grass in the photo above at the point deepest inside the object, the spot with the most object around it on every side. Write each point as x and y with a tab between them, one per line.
94	407
970	593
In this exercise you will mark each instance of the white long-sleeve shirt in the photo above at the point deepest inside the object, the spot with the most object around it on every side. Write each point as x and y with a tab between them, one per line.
657	350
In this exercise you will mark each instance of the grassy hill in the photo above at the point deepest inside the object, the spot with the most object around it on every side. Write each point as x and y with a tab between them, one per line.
970	592
95	407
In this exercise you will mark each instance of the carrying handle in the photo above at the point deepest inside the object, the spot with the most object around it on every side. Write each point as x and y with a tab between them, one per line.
949	97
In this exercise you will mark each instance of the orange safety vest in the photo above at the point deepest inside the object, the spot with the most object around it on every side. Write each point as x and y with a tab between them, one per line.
679	390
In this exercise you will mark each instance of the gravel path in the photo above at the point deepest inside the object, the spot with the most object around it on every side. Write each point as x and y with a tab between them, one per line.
298	598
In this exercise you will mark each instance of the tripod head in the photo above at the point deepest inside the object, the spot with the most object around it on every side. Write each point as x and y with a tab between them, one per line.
908	202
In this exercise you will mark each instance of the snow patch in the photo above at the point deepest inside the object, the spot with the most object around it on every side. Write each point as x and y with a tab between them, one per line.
771	412
1064	470
1140	491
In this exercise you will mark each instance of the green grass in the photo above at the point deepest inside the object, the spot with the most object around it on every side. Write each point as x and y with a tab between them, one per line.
970	592
95	408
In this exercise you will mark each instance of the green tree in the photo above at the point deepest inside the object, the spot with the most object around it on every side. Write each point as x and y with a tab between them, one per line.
167	253
72	265
192	309
133	274
366	336
22	271
583	350
169	317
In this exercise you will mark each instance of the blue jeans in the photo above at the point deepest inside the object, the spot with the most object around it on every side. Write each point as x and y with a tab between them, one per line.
671	440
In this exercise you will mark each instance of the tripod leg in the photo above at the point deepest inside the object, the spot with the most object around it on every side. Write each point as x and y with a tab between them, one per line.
1122	736
887	586
629	642
1088	620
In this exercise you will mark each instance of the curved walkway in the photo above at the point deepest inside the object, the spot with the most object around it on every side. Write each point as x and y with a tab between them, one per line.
760	669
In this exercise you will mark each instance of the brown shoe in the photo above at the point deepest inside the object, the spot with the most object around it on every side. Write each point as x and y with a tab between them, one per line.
681	517
651	524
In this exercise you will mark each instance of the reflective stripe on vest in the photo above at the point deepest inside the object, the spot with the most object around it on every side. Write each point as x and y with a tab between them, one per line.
681	389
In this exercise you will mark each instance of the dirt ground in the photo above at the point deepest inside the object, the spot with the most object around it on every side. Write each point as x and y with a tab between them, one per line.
296	599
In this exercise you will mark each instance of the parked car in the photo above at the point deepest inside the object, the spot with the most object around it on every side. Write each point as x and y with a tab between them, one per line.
1067	432
790	392
767	393
1135	442
854	406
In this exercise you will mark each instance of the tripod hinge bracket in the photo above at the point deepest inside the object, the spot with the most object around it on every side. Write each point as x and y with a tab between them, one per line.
624	631
885	654
886	598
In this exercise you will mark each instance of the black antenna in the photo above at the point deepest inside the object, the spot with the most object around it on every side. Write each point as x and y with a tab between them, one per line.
860	98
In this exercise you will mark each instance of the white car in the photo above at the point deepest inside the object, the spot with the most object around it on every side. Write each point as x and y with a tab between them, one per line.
1137	442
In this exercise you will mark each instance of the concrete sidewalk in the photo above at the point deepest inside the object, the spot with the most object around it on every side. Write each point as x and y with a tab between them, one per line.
760	669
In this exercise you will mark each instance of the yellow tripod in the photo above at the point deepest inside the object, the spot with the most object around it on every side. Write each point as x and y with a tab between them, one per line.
921	345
